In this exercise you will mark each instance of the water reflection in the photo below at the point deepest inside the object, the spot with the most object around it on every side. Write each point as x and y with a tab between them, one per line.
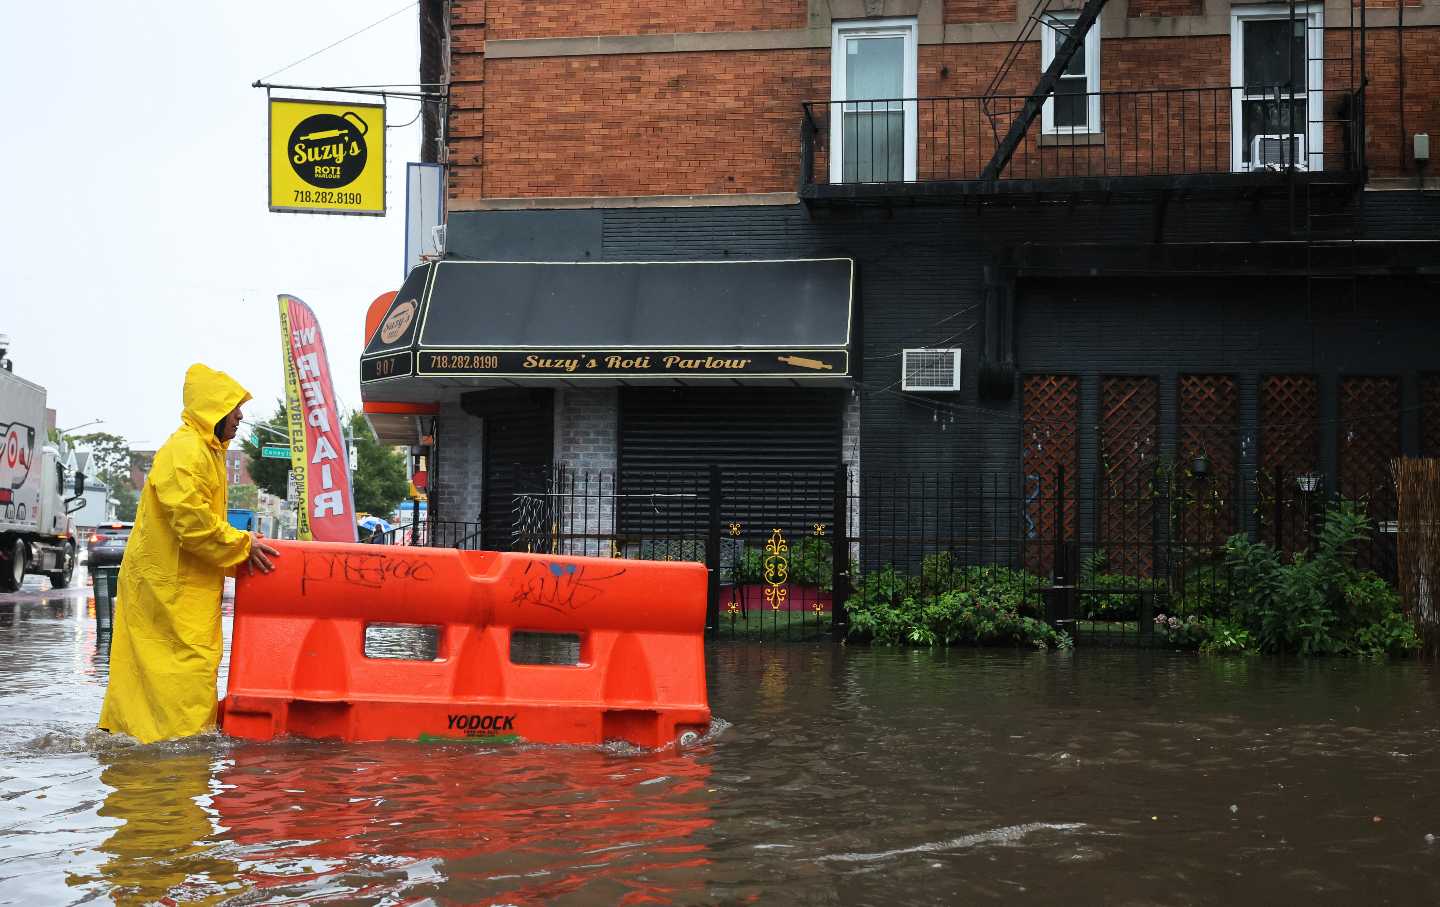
849	775
162	847
527	825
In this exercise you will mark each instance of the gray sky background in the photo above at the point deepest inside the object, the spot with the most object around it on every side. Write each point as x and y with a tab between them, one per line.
135	237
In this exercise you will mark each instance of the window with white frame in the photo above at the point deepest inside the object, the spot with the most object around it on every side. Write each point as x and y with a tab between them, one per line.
1075	106
873	82
1276	75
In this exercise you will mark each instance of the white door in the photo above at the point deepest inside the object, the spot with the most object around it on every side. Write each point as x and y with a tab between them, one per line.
872	133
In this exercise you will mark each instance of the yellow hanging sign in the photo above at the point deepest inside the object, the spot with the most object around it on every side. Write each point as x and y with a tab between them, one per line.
327	158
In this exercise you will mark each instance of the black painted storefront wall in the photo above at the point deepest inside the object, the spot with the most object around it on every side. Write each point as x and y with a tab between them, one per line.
1244	328
921	284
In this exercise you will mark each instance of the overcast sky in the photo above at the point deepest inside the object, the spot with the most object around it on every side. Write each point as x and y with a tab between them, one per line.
135	237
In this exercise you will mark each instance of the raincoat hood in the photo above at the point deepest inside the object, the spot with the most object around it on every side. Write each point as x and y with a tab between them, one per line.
210	395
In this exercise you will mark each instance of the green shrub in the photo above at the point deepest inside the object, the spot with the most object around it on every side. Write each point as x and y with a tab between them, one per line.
1223	637
879	605
1180	633
1393	636
1016	590
1319	603
887	607
1121	604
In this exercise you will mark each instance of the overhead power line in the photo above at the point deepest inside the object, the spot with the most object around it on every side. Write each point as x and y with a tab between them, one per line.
341	41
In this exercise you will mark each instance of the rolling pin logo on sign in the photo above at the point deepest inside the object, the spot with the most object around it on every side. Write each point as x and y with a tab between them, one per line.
328	151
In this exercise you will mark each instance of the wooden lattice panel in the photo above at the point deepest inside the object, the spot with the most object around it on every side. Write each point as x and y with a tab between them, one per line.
1051	411
1430	415
1369	440
1209	427
1209	421
1289	446
1129	436
1289	425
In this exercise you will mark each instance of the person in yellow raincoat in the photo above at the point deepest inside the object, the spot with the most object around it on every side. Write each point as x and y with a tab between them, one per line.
165	652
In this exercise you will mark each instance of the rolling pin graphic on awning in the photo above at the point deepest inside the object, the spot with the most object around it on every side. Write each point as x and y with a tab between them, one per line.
803	362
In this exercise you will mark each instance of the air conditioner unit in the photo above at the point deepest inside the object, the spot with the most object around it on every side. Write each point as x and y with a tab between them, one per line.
1278	152
931	371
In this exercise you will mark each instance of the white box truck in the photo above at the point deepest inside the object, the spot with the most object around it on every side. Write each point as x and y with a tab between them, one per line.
37	534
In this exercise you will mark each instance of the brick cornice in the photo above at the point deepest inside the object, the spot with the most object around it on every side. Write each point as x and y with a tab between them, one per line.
1116	24
725	200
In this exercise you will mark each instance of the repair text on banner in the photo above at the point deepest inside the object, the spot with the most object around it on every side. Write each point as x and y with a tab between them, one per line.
318	455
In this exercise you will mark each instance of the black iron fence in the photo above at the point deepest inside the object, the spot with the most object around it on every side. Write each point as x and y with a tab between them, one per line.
1143	133
789	551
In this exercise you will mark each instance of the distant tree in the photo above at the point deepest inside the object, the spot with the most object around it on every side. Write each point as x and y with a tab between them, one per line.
380	481
127	501
110	463
270	474
109	456
244	497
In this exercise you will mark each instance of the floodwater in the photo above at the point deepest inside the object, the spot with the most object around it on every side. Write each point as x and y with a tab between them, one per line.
838	775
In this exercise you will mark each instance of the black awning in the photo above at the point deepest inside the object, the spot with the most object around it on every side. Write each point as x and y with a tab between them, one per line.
494	322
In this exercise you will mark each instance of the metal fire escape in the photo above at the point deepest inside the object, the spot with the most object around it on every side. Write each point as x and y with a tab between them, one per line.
1318	214
1074	32
1330	231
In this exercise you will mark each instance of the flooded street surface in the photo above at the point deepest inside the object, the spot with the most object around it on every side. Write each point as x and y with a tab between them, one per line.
844	776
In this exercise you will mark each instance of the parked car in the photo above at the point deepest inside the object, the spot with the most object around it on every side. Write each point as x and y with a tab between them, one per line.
107	544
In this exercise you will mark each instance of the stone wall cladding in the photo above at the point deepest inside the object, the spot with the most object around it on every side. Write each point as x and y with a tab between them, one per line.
850	451
460	471
587	424
587	428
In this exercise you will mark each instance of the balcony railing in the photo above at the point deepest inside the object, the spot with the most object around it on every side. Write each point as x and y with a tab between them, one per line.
1161	133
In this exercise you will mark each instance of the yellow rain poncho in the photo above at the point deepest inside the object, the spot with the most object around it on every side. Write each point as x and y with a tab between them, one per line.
165	652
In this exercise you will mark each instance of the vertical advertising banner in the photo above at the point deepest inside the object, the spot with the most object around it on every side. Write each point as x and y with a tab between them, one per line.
319	460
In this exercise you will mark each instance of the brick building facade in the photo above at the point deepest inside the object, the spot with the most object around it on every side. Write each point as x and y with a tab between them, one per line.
1212	239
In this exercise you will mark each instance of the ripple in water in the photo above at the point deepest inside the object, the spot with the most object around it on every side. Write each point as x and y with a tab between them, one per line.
1009	834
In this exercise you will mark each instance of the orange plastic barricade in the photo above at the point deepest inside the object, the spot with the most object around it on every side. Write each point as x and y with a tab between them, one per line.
522	647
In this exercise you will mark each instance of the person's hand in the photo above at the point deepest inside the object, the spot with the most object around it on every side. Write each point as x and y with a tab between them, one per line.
260	554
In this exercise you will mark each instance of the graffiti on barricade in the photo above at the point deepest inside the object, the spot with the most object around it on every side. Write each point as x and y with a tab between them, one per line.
371	571
561	586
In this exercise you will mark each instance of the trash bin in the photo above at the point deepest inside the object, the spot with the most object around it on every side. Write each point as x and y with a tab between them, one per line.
107	583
